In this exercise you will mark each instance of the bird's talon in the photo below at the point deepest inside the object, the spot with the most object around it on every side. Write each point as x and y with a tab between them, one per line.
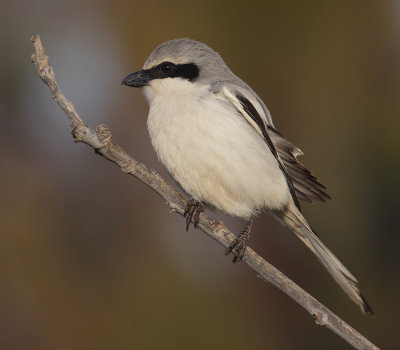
239	244
192	212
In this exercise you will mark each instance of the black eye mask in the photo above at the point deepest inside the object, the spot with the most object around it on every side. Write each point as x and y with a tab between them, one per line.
188	71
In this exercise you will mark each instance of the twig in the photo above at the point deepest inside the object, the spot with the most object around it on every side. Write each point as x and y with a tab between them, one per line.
100	141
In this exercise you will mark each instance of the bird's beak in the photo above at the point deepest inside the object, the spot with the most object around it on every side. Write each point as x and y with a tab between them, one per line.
137	79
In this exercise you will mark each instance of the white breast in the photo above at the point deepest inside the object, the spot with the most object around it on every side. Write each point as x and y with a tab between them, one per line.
211	150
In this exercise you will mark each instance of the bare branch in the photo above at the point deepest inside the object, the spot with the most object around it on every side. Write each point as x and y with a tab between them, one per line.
100	141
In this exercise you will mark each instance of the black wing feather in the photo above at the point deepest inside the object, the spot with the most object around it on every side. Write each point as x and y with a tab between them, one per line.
302	183
303	180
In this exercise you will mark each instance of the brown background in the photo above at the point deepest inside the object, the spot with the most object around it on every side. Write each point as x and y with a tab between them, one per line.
91	259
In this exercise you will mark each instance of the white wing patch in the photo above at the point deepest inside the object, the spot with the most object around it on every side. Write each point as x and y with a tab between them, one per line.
230	97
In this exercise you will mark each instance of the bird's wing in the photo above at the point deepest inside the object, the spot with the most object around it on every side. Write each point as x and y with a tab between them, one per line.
306	185
302	183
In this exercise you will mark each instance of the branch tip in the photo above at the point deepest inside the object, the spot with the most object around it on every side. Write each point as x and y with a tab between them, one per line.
34	38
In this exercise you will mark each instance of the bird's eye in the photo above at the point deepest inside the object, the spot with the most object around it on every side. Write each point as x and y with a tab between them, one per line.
166	67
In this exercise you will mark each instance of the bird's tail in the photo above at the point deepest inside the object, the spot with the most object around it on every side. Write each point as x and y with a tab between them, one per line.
295	220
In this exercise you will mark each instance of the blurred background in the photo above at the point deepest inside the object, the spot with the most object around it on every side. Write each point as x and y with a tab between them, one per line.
90	258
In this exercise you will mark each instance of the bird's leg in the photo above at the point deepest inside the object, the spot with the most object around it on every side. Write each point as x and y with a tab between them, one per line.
192	212
238	245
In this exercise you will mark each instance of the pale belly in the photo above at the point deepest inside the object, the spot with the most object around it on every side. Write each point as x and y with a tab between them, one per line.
216	156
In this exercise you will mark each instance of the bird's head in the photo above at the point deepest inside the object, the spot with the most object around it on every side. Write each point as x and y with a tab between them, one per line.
178	63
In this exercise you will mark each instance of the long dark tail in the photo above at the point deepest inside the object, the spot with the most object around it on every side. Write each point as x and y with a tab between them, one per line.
295	220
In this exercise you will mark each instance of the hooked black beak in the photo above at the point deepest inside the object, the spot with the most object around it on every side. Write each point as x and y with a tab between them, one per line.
137	79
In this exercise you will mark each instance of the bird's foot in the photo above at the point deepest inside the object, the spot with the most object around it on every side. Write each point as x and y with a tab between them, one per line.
192	212
239	244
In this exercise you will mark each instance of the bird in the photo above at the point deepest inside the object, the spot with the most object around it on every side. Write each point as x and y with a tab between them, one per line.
216	137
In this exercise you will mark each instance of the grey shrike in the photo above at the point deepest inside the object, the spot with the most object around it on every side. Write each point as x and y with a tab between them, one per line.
217	139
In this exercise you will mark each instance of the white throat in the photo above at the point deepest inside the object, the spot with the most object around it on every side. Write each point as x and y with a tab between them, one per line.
171	88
